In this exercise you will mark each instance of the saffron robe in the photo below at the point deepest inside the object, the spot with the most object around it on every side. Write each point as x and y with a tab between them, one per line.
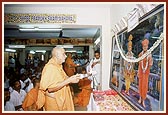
69	67
84	95
60	100
29	104
143	77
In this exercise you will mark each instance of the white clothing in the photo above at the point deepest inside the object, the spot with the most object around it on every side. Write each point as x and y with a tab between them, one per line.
96	77
10	89
9	106
35	62
22	70
27	80
17	98
12	63
29	87
92	106
22	84
29	61
6	83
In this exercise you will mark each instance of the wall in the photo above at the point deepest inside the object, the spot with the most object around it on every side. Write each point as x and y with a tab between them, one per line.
86	15
117	11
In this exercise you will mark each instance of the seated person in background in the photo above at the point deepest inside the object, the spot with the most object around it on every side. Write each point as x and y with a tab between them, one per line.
8	106
30	86
17	96
24	82
84	96
29	103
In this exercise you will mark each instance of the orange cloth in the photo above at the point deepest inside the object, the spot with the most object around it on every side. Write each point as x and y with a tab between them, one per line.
29	103
69	67
62	99
143	77
84	95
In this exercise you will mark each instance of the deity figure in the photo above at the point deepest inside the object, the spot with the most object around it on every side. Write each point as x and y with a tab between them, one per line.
143	72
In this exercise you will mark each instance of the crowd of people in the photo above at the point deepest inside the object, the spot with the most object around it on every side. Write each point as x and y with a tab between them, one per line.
19	82
47	87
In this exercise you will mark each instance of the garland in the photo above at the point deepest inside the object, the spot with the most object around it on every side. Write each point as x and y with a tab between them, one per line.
146	65
144	55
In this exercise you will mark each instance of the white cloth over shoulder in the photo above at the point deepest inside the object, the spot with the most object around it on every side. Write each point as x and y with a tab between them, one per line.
9	106
95	70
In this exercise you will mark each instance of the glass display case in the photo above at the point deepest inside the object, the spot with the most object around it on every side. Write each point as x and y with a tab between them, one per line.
150	27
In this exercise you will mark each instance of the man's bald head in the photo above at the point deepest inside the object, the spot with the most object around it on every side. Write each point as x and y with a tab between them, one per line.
59	54
57	50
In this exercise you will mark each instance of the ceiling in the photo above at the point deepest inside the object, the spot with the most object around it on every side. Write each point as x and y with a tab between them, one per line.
68	31
12	31
66	4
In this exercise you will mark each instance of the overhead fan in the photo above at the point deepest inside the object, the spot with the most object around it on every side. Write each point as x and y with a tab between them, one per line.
64	39
61	35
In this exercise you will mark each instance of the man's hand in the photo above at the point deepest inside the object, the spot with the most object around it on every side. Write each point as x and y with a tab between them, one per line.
94	63
27	84
74	78
77	65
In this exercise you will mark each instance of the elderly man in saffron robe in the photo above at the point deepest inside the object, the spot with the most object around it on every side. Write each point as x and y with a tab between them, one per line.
55	82
143	72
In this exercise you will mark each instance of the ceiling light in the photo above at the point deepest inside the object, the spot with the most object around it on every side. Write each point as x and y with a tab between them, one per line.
32	52
80	52
10	50
16	46
40	26
71	51
42	51
40	29
65	46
